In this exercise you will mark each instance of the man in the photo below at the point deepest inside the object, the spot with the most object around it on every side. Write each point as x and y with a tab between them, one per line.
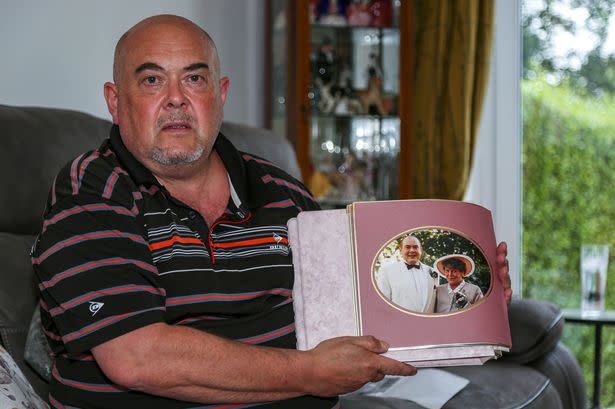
409	283
457	293
163	262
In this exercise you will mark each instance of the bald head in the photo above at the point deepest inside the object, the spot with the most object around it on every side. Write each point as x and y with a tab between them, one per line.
411	240
411	250
167	97
164	22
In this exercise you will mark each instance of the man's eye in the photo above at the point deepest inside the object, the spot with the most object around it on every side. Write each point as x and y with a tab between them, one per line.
151	80
196	78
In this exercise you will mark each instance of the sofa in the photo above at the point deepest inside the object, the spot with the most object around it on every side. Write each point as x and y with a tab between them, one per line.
539	371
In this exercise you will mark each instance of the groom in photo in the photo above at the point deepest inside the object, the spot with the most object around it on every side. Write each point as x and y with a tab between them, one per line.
409	283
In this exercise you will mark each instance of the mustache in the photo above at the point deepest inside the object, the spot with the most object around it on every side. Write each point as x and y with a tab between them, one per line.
174	117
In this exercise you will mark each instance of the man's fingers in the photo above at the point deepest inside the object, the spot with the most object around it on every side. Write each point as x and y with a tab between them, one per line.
389	366
508	295
378	377
501	260
345	364
386	366
503	270
502	263
502	249
371	343
504	276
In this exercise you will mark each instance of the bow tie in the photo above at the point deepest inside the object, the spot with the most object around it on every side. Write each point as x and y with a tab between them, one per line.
413	266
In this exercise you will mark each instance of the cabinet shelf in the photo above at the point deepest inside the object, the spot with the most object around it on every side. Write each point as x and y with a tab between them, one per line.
318	115
338	92
318	26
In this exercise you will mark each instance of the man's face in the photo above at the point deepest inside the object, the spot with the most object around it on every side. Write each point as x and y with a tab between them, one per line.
168	100
411	250
453	276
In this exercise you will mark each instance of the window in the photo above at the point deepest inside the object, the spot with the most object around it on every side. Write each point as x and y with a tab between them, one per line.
568	157
552	81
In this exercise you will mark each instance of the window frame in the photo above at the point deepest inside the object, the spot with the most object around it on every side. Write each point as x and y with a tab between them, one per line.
496	178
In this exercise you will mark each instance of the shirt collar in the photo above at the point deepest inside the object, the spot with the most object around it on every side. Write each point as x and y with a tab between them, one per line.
457	289
139	173
231	157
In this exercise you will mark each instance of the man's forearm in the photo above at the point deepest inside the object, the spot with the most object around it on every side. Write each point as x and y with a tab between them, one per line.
184	363
189	364
208	395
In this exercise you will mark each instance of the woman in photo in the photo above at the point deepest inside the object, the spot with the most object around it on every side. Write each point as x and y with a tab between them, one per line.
457	293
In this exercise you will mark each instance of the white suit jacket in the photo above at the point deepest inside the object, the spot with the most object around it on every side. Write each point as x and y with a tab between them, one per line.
413	289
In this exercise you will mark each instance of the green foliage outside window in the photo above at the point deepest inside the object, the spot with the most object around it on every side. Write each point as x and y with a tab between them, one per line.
569	200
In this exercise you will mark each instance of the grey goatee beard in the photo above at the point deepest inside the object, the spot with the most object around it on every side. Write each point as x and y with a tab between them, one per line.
167	158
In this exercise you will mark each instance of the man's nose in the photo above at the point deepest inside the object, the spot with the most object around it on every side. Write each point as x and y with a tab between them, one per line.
175	95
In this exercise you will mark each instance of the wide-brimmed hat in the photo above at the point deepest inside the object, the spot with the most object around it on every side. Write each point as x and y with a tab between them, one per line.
438	265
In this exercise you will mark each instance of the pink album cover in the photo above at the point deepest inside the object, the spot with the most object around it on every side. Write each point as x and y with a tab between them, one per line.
424	274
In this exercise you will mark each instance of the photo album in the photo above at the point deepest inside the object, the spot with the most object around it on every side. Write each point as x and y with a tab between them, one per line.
418	274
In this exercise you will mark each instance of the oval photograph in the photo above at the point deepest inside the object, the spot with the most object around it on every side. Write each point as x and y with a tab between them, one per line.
431	271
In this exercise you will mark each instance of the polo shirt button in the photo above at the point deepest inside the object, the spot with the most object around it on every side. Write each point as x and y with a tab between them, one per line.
192	215
241	215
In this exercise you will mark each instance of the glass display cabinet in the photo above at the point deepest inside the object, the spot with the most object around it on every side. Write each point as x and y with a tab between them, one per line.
338	77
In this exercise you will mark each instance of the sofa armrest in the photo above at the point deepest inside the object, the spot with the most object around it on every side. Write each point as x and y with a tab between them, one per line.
536	327
562	368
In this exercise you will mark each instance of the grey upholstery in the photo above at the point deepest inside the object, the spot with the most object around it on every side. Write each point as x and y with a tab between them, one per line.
561	367
15	390
538	373
264	143
505	385
494	385
35	144
533	338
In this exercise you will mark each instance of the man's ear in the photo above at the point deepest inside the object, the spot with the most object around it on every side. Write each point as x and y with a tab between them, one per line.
110	91
224	84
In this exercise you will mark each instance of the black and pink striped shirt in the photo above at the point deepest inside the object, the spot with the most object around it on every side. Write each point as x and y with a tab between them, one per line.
117	252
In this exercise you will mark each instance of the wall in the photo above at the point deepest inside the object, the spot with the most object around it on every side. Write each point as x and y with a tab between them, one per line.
59	53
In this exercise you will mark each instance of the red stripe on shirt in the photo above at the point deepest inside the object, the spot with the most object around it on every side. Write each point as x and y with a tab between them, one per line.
251	242
173	240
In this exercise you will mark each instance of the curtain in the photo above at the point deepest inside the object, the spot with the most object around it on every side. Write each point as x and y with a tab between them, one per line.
452	45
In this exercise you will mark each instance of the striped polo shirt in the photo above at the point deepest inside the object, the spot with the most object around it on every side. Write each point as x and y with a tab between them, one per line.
117	252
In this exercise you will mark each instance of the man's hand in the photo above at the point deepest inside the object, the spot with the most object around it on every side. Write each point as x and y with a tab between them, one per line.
344	364
502	267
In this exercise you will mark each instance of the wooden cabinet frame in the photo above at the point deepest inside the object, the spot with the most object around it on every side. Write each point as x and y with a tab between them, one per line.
298	112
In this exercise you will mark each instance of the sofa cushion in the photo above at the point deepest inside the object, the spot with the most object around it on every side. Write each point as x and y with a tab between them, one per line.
491	386
36	143
536	327
37	352
15	390
561	367
18	296
18	291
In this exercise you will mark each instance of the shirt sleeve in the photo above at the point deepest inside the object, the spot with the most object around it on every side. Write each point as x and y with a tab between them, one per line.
96	275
